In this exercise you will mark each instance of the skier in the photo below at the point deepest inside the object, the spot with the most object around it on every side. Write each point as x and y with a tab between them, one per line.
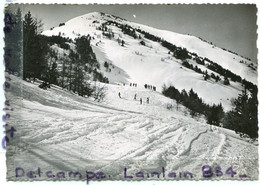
119	95
140	100
147	101
135	97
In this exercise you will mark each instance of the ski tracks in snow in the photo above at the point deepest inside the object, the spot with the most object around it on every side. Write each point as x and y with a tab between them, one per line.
118	134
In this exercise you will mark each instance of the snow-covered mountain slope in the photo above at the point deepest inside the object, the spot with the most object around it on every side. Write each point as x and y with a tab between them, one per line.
60	131
153	64
193	44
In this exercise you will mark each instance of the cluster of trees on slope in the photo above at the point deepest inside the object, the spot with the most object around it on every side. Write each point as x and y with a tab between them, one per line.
226	73
183	54
60	41
40	60
109	33
126	29
242	118
192	101
206	76
149	36
178	52
76	69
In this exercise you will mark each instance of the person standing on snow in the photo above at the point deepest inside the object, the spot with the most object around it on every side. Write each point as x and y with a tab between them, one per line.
119	95
135	97
147	101
141	101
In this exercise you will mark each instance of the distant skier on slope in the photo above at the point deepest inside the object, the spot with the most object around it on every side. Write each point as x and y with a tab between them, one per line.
140	100
119	95
147	101
135	97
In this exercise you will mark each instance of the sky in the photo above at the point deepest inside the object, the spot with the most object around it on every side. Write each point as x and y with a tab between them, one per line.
229	26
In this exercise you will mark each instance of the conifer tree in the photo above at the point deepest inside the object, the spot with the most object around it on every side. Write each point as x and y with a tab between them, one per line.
226	81
34	48
243	117
215	114
13	41
52	72
64	72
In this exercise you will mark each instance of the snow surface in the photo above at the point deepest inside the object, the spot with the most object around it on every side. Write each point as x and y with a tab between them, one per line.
60	131
151	64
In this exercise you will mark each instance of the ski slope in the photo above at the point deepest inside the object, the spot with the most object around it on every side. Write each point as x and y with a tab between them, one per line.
60	131
152	64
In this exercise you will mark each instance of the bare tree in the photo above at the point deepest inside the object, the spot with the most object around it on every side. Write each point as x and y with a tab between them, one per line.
99	92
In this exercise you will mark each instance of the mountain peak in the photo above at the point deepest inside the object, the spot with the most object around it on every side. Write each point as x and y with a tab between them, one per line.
108	30
91	15
94	14
99	15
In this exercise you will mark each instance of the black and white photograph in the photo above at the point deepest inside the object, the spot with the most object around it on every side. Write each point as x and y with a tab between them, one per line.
130	92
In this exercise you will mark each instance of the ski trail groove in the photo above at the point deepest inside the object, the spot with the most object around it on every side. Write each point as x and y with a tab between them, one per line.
187	150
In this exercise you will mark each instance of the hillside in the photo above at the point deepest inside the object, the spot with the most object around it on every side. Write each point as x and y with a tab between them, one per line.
55	125
151	63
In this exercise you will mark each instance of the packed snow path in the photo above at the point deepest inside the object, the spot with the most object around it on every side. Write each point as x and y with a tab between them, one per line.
60	131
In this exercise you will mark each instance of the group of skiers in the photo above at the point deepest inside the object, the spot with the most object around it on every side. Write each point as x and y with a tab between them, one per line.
141	101
150	87
145	86
135	98
133	84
